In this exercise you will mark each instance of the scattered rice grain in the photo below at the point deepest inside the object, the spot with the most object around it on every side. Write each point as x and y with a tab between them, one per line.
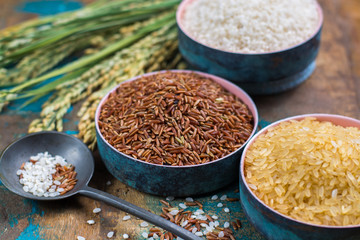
97	210
110	234
144	224
182	205
214	197
90	222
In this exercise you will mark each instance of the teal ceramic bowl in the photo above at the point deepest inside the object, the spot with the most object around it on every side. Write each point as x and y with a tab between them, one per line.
178	181
276	226
257	74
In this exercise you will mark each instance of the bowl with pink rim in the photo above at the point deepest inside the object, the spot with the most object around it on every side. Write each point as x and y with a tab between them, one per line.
171	180
257	73
273	223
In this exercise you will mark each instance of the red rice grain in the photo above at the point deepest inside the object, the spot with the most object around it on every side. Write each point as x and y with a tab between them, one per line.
174	118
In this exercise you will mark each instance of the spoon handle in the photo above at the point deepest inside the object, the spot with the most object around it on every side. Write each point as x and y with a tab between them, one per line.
138	212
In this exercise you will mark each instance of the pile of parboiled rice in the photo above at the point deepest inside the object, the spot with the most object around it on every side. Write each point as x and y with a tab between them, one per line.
308	170
254	26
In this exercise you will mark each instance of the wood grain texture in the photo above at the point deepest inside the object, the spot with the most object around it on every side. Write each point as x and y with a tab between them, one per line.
334	88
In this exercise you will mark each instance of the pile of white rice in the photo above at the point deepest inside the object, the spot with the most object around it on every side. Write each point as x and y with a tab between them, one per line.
37	178
308	170
251	26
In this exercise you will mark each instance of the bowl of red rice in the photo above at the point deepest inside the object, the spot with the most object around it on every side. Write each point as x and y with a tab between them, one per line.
300	178
175	133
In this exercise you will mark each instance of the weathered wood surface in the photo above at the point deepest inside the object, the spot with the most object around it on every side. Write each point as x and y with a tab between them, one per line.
334	88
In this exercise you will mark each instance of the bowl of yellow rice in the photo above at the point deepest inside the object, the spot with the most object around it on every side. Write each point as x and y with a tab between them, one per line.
300	178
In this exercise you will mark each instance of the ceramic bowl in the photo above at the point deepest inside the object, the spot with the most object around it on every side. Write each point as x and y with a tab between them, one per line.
277	226
256	73
174	180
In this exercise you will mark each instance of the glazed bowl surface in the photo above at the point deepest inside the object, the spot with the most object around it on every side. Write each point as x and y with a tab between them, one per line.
166	180
256	73
275	225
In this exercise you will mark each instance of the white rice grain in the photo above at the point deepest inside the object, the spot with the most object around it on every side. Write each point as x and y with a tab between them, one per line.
182	205
110	234
37	177
174	212
90	222
144	224
96	210
214	197
251	26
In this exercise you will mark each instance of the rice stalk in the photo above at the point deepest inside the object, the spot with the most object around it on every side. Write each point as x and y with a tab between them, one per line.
77	24
151	25
29	66
123	65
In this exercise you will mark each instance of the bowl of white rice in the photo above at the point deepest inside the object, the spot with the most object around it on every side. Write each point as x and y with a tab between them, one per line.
264	46
300	178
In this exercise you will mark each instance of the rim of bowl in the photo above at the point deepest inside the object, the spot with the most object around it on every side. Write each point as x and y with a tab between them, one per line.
223	82
334	118
182	7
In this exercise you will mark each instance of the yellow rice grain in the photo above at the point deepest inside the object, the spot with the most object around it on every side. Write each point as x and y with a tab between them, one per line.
308	170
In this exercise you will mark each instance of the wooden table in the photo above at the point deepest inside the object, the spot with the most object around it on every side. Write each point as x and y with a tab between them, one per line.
334	88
